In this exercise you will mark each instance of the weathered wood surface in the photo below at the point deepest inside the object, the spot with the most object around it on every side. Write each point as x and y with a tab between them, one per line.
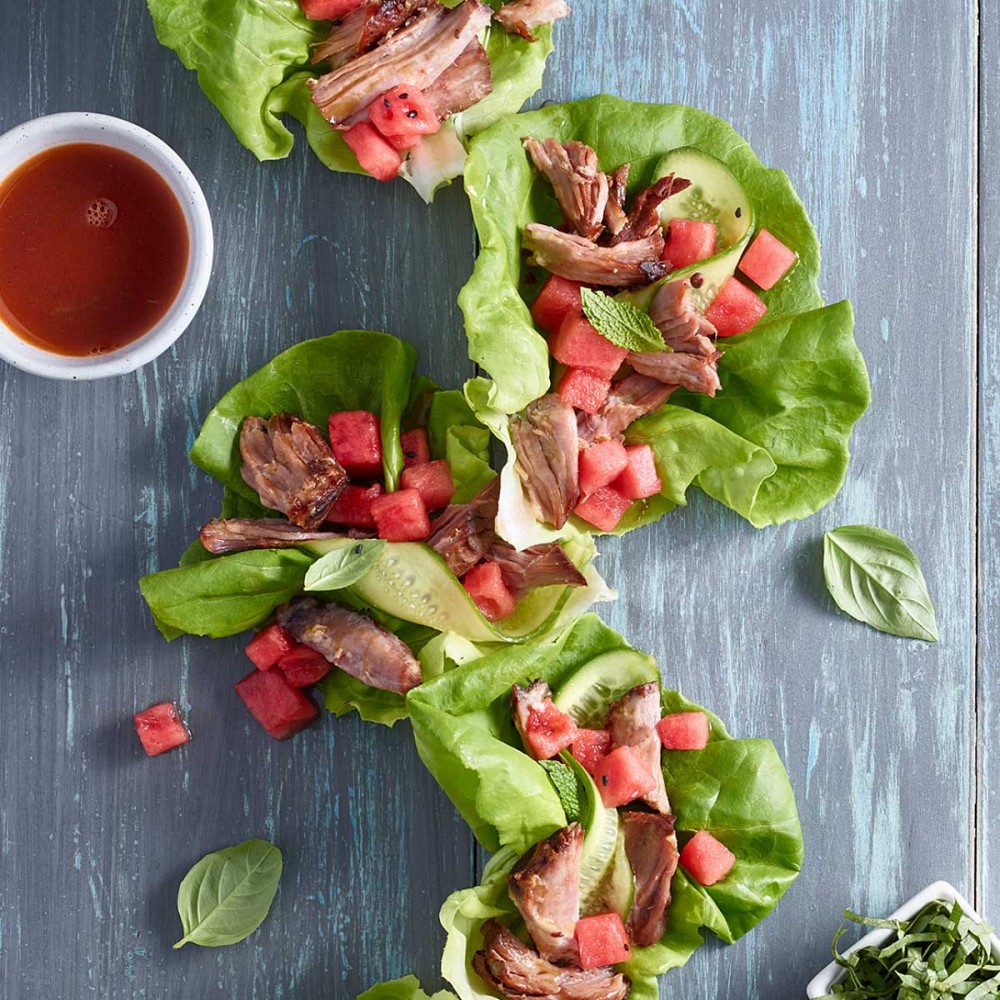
871	108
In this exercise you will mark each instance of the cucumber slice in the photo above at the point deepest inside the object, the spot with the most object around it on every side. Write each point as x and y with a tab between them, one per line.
587	695
617	890
600	840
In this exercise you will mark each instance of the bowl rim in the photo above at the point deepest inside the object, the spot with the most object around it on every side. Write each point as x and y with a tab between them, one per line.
830	975
30	138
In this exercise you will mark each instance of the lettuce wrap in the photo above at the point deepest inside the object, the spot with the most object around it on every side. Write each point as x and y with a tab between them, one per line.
735	788
218	596
252	58
773	443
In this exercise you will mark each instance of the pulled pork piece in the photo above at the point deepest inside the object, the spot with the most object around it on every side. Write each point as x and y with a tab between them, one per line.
352	642
417	54
465	533
651	848
692	371
636	262
521	17
237	534
518	973
644	217
537	566
632	721
525	701
614	213
363	28
465	82
546	442
545	887
631	398
580	187
683	327
291	467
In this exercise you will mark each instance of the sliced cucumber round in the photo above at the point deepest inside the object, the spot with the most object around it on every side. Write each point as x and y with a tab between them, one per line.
600	840
617	890
588	694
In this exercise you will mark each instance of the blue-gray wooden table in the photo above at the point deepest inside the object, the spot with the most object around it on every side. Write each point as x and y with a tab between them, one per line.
888	125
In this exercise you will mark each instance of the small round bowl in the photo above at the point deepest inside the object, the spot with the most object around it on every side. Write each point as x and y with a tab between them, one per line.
25	141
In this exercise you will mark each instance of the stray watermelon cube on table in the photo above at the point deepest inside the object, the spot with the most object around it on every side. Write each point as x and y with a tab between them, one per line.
735	309
590	747
356	442
688	241
304	665
401	516
268	646
375	153
582	390
684	731
601	464
416	447
160	728
604	508
558	298
432	480
767	260
484	583
621	778
601	940
577	344
639	479
706	859
353	506
280	707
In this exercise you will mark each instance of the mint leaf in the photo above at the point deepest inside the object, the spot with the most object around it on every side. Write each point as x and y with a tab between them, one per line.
344	566
622	323
567	788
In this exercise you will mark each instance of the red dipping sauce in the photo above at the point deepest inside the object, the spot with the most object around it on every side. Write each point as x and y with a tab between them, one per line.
94	248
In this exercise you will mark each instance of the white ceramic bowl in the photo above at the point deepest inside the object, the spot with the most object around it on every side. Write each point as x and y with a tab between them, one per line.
821	985
25	141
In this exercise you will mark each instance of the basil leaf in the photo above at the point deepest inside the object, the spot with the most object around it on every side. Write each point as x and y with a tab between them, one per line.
342	567
226	896
874	576
567	788
624	324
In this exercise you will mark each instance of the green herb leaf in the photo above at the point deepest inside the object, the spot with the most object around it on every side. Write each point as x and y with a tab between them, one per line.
342	567
567	788
624	324
226	896
874	576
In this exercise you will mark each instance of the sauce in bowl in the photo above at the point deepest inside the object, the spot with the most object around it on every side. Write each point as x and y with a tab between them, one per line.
94	249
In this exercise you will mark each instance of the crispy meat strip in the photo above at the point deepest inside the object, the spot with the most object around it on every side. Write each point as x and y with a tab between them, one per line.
465	82
545	887
636	262
518	973
237	534
651	848
353	642
417	54
363	28
522	17
580	187
632	722
290	465
644	216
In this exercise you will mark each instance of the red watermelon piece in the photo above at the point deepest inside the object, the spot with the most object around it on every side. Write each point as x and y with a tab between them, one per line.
432	480
304	666
328	10
590	747
375	155
404	112
601	464
601	940
485	585
577	344
353	506
268	646
160	728
639	479
767	260
283	710
735	309
684	731
582	390
356	442
401	516
548	731
622	778
416	447
688	241
604	508
558	297
706	859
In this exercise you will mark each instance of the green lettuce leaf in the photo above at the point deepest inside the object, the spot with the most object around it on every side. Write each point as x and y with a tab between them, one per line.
406	988
793	388
456	435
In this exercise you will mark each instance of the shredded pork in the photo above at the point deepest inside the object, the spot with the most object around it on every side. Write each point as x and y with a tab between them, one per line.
632	722
523	17
580	186
651	848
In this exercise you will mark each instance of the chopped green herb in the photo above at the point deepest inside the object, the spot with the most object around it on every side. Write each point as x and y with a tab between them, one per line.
940	953
567	788
619	321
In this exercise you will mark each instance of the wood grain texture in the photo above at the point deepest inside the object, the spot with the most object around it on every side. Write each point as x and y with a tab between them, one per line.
870	106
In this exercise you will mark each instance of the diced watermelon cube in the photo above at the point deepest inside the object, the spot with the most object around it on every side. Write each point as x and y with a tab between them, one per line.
160	728
735	309
590	747
705	859
639	479
353	506
304	666
582	390
577	344
558	297
401	516
432	481
403	111
404	142
684	731
767	260
328	10
688	241
375	155
548	731
283	710
356	442
604	508
601	940
485	585
621	777
268	646
601	464
416	447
